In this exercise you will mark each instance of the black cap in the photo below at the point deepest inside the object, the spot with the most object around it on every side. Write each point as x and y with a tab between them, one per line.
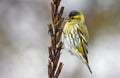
73	13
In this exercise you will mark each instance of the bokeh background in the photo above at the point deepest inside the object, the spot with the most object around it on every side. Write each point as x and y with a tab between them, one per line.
24	39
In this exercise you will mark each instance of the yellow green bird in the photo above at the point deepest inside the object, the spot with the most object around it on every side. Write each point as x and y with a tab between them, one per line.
75	36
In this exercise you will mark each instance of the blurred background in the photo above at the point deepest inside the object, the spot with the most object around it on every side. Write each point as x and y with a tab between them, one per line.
24	39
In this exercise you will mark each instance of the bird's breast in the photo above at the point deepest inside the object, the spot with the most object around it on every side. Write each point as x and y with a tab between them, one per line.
68	29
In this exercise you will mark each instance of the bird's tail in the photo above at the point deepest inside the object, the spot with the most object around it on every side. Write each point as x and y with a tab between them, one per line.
89	68
84	61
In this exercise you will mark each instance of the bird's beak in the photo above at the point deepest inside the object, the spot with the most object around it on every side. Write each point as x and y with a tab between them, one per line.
67	19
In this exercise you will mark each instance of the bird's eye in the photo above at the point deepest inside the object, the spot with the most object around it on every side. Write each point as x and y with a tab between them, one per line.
72	18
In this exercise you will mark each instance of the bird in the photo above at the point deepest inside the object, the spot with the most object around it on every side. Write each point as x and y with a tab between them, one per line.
75	36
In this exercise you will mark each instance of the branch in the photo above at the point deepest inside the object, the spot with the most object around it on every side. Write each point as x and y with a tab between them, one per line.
55	31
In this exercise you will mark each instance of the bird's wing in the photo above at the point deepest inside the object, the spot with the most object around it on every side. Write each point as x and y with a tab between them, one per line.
82	48
83	33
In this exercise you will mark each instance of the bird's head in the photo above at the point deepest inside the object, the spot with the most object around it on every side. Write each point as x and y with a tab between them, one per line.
76	16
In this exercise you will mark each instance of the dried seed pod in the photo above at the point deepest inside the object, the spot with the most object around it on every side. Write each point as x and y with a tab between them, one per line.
53	45
56	60
59	23
60	12
58	2
60	46
50	29
54	1
55	20
59	34
58	70
53	10
50	53
50	69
